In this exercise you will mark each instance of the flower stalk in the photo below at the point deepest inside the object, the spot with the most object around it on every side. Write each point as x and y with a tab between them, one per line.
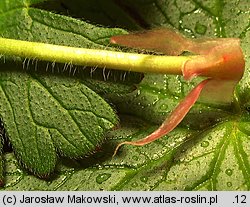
94	57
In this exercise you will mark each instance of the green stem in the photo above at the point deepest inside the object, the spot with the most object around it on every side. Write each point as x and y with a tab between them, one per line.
94	57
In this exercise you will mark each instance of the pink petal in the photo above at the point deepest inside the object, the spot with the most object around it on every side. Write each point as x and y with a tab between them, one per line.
220	59
173	119
162	40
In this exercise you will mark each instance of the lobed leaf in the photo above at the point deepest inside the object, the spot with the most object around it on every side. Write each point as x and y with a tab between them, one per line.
44	114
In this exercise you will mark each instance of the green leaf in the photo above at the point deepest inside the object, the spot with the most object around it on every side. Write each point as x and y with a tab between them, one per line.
49	105
32	24
208	151
88	10
45	114
11	5
78	175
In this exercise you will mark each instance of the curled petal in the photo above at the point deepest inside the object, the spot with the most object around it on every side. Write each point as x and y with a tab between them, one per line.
173	119
221	60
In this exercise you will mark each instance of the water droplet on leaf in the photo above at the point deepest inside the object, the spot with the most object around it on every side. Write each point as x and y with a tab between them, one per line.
102	177
205	144
229	184
163	113
183	150
144	179
164	107
229	172
135	184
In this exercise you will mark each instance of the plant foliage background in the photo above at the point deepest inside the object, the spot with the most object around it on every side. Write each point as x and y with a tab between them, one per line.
61	123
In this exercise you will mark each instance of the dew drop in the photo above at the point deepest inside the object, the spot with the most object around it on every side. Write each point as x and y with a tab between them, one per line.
134	184
229	184
176	97
183	150
164	107
144	179
102	178
229	172
205	144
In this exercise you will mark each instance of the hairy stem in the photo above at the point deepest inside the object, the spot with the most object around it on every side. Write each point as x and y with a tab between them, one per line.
94	57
